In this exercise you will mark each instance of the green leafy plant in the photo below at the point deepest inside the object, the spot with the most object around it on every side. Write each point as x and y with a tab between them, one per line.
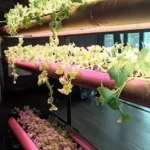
15	111
22	16
122	63
111	97
66	78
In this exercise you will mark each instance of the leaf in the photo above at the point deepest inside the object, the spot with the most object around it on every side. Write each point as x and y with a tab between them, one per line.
106	94
50	100
124	118
53	107
120	76
70	85
53	15
73	74
108	97
62	80
32	59
62	91
40	21
130	68
98	100
143	67
60	69
114	103
143	53
66	89
40	82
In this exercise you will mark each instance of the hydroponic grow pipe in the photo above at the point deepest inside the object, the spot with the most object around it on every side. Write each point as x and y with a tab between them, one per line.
103	29
136	91
22	137
99	15
27	143
81	141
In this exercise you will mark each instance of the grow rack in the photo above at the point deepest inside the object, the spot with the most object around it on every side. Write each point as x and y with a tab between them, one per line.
104	16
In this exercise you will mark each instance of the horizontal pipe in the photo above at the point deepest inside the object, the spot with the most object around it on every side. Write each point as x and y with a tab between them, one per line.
104	29
81	141
109	13
27	143
22	137
96	17
33	26
136	91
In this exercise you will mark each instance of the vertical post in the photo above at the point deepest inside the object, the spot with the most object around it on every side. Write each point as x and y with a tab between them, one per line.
0	94
141	40
69	110
1	73
100	39
68	39
4	66
125	38
117	38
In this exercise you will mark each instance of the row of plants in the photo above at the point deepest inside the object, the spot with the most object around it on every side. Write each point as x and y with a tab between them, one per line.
57	10
46	134
122	63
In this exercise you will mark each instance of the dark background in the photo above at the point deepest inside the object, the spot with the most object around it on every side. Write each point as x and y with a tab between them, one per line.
5	5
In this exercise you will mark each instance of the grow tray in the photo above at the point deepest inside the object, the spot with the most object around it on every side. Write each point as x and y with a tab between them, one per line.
135	91
28	144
